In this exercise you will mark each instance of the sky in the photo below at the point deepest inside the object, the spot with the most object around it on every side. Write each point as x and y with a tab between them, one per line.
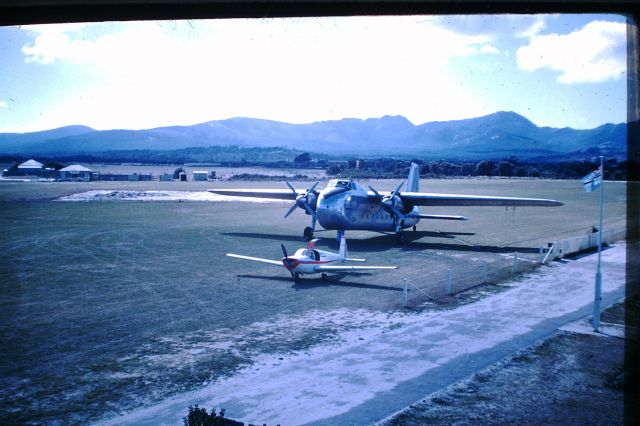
556	70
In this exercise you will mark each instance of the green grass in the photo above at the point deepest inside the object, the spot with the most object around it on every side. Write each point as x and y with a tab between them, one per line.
106	305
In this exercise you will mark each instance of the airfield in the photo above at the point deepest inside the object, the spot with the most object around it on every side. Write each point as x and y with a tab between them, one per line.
110	306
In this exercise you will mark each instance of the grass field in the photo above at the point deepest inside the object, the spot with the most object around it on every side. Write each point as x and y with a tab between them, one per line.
106	306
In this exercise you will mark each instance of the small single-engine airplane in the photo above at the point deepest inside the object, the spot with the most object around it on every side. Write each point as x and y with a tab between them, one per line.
346	205
312	261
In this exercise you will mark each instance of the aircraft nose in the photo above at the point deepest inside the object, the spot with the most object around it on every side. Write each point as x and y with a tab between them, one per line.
330	192
288	263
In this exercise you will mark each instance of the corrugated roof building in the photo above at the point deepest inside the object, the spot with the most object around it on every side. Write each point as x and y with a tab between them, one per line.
75	173
31	164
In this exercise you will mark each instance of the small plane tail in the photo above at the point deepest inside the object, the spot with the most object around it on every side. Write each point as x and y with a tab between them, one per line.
413	181
343	251
343	248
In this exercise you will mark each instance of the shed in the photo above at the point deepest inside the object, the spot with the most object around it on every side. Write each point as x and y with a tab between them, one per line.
75	173
200	175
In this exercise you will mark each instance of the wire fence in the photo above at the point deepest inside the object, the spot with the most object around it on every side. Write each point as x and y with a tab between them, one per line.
476	273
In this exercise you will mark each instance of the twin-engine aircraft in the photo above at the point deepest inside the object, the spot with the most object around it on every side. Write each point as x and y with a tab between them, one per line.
346	205
311	261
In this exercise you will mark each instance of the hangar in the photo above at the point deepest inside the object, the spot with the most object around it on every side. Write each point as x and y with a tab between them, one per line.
75	173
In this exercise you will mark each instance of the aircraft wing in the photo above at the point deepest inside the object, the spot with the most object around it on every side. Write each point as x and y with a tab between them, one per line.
277	194
257	259
330	268
432	199
441	217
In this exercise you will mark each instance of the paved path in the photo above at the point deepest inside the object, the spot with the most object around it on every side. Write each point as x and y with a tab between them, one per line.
380	370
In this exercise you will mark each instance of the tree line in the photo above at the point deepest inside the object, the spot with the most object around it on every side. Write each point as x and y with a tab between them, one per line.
389	168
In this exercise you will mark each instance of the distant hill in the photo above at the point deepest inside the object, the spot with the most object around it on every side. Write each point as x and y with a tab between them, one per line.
496	135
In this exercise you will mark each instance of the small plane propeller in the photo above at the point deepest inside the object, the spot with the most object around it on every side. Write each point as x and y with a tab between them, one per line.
285	258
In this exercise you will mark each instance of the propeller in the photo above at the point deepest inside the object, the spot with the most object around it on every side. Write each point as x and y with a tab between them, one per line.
392	204
286	258
306	201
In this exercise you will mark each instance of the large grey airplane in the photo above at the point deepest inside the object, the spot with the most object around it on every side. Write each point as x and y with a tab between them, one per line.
346	205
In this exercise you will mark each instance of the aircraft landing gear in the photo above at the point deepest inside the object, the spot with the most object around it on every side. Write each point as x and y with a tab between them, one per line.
296	278
324	276
414	228
308	233
399	238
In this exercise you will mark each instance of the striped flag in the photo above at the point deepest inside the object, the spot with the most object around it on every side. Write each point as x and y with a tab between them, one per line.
592	180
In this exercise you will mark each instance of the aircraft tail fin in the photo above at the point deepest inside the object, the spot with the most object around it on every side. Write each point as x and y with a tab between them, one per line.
343	248
343	252
413	181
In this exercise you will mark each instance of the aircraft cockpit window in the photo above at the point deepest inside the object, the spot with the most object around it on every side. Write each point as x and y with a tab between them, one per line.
339	184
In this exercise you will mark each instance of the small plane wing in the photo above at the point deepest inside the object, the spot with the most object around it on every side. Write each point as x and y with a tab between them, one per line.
276	194
257	259
330	268
432	199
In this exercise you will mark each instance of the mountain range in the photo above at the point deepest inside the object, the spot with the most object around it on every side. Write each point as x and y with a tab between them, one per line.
497	135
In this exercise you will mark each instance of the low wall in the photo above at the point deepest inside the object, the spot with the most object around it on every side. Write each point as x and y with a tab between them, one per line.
589	241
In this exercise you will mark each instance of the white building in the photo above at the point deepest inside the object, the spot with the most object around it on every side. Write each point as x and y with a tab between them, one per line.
75	173
200	175
30	165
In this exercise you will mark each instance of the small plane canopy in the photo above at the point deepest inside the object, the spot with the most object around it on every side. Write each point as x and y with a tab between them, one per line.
311	254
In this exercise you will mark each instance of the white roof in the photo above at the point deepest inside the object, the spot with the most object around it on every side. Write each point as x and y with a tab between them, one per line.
75	168
30	164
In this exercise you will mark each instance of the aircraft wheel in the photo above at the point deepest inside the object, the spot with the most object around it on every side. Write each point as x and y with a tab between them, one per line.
399	238
296	278
414	228
324	276
308	233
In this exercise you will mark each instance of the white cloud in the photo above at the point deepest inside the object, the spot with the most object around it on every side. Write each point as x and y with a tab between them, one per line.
487	48
55	42
534	28
296	70
3	104
595	53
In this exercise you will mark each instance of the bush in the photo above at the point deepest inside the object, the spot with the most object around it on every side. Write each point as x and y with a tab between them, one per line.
176	172
200	417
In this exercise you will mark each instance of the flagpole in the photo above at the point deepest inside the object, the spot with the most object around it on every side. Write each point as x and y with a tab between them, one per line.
596	302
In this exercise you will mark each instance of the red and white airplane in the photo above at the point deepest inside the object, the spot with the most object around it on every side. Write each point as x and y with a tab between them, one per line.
312	261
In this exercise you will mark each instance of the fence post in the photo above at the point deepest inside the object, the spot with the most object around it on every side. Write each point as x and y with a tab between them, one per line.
448	281
405	290
484	272
515	263
541	257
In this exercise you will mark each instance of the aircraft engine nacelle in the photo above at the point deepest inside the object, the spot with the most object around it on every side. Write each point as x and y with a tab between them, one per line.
307	202
392	204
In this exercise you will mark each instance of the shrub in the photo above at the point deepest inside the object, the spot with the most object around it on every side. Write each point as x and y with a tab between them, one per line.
199	417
